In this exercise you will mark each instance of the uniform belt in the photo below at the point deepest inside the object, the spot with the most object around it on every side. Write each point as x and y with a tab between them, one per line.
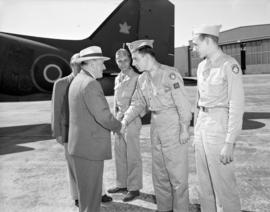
208	109
156	112
164	110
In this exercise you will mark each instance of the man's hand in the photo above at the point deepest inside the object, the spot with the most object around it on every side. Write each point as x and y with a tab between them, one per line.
124	127
184	134
59	139
119	116
226	154
184	137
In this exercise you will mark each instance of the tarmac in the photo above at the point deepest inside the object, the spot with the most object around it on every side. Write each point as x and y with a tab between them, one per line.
33	175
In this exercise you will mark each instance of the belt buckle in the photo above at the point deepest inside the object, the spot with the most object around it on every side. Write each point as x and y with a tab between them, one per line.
205	109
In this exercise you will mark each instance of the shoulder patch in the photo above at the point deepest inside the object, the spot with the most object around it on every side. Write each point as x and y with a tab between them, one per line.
235	68
172	76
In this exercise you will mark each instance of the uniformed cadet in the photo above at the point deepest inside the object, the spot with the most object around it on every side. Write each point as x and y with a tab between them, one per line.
160	89
128	158
220	107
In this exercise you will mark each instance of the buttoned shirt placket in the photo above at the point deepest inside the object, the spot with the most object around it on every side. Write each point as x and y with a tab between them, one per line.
151	91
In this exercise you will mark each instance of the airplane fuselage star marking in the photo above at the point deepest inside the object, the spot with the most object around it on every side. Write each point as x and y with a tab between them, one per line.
124	28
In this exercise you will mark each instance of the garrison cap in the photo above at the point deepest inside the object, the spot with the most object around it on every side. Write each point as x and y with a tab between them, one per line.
207	29
135	45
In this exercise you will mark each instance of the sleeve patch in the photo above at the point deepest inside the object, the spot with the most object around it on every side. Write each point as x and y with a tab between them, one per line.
172	76
176	85
235	68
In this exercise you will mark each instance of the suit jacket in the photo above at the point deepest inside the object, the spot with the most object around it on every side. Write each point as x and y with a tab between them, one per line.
60	111
90	119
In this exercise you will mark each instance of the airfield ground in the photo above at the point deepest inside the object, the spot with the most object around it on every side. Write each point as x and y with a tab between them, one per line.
33	174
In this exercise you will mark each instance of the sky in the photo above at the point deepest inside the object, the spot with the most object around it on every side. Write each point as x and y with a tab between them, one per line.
69	19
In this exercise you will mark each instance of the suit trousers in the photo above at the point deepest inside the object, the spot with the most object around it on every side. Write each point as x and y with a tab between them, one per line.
128	159
89	174
217	183
71	174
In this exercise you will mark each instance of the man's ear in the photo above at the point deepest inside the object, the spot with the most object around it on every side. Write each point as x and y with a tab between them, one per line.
147	56
207	40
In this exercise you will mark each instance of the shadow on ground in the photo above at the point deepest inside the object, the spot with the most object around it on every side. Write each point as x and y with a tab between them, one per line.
128	207
30	97
12	137
249	123
119	206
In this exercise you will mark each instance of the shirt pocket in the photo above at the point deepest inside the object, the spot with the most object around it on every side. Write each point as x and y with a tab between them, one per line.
164	97
216	86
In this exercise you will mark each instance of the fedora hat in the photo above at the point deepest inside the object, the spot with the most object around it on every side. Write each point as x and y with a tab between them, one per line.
91	53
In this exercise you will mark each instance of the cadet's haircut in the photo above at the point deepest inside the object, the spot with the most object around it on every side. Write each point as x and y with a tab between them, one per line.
146	50
214	38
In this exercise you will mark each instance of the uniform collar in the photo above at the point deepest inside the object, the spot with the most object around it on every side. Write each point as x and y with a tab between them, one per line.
156	66
215	58
129	72
127	75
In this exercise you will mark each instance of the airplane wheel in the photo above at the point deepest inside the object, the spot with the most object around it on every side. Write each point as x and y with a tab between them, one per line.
46	70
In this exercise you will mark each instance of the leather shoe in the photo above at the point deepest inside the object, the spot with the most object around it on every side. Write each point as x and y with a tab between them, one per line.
106	198
131	195
76	203
117	190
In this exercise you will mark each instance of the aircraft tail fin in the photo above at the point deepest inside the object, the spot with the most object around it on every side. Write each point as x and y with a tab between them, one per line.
139	19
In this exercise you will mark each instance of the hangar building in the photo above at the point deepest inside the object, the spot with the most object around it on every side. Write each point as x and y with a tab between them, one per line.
249	45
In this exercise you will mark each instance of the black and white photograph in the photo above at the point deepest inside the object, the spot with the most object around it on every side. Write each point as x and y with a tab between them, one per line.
134	106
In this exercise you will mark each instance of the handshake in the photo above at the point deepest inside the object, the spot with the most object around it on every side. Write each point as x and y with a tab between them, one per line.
123	127
119	116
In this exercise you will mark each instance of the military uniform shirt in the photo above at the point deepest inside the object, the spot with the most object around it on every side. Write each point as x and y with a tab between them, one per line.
125	85
220	85
165	93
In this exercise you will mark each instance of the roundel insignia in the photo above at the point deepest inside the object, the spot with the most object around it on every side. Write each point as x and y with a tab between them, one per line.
235	68
172	76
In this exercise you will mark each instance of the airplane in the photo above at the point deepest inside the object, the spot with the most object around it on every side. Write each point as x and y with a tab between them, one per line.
31	64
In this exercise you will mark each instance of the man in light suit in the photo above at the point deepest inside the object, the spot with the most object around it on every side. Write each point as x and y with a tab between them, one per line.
60	124
89	131
60	119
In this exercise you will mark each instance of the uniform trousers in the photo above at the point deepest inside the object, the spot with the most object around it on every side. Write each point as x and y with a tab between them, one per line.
128	159
89	175
71	174
169	162
217	183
